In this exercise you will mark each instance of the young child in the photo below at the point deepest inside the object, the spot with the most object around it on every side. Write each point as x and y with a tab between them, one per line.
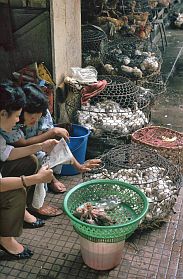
36	126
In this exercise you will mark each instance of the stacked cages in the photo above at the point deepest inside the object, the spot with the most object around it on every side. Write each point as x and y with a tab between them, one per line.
126	53
140	61
119	109
112	115
132	57
132	65
157	177
93	38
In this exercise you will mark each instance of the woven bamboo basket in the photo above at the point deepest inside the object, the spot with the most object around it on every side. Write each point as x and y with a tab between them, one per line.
167	142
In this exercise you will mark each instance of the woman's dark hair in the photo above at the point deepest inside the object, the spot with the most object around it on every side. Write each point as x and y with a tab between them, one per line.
12	98
36	100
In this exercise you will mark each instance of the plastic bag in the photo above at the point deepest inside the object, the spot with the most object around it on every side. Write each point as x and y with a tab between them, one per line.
60	154
84	75
39	195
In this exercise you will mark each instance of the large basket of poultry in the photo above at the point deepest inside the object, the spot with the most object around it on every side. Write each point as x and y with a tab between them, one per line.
167	142
105	210
121	108
129	56
143	167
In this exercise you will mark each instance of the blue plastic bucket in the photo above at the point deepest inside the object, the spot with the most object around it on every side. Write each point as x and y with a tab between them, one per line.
77	145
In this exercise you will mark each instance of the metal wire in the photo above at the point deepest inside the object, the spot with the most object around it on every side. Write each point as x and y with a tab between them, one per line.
92	38
121	107
115	52
157	177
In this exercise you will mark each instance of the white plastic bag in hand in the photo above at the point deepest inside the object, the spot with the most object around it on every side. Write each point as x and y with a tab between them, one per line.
39	196
59	155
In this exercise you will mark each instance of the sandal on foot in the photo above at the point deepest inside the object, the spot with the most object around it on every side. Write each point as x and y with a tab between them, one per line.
37	224
57	187
25	254
47	211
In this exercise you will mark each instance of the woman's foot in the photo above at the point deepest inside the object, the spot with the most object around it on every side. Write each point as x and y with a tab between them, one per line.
29	218
56	186
31	222
14	249
47	211
11	245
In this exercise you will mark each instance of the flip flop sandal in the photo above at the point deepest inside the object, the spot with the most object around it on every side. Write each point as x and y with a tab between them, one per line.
55	189
46	211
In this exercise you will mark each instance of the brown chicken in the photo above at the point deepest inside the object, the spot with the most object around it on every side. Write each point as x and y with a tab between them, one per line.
144	31
152	3
139	18
118	23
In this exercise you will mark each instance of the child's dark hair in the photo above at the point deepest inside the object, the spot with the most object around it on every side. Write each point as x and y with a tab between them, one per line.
12	98
36	100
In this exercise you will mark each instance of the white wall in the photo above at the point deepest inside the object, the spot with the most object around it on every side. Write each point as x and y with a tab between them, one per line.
66	36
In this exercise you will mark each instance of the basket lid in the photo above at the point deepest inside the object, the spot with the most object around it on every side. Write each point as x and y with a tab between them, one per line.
159	137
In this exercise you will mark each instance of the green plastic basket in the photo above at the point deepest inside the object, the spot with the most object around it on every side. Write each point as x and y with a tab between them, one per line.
128	214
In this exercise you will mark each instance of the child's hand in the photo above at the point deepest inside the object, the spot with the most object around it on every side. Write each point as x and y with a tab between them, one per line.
89	165
61	132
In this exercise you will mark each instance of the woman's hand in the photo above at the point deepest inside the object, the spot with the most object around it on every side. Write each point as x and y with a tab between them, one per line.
48	145
61	132
45	174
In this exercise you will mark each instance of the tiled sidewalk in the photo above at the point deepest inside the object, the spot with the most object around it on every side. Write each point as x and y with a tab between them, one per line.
154	254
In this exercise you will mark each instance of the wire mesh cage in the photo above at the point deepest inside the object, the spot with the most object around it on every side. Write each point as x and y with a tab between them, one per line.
157	177
146	5
119	109
73	101
133	57
156	83
138	5
93	38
